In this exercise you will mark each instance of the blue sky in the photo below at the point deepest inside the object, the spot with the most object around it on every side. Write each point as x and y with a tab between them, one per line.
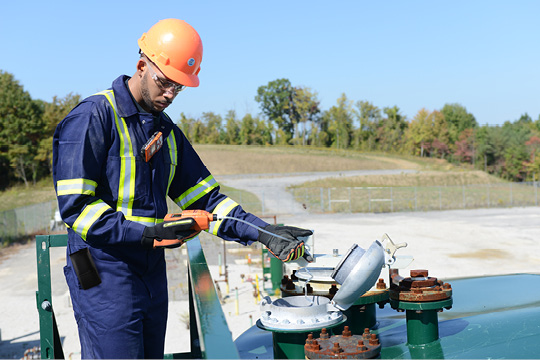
484	55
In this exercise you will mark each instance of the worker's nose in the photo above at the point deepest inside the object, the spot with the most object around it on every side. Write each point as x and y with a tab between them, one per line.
169	95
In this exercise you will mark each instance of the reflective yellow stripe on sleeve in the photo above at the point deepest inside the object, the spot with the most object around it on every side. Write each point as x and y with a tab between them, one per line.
88	217
76	187
222	209
146	221
196	192
173	155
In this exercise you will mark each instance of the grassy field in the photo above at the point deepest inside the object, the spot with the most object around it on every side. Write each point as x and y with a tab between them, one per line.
426	178
20	195
225	160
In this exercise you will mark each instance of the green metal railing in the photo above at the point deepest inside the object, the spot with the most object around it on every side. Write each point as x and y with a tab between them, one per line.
209	333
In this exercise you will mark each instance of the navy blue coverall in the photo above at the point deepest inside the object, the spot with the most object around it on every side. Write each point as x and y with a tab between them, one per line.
107	193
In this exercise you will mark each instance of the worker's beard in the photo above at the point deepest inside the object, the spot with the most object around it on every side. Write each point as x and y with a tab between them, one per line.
146	98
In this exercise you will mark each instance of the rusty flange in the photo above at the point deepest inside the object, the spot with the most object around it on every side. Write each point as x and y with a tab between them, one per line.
344	346
419	287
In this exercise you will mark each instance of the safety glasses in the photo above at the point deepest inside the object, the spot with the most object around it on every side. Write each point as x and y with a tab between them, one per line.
164	84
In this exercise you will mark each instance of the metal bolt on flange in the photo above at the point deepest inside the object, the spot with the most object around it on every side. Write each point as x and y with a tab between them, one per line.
324	334
290	285
361	347
381	285
345	346
373	340
336	350
366	334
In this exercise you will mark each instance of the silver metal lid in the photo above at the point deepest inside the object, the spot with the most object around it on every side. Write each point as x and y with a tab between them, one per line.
357	272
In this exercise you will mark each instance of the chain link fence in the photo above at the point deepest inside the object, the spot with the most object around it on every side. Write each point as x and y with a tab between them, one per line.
417	198
40	218
27	220
390	199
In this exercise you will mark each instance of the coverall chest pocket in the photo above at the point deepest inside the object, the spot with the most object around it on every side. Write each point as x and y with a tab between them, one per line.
129	177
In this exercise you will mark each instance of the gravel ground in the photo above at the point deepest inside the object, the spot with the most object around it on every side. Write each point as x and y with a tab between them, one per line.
449	244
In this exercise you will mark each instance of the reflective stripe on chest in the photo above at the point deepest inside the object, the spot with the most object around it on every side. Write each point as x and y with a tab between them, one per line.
127	178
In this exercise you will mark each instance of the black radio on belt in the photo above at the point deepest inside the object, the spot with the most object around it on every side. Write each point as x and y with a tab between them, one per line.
152	146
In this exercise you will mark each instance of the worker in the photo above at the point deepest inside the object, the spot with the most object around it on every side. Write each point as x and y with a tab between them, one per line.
116	158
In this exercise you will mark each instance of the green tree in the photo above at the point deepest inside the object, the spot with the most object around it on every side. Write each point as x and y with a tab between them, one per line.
440	145
185	124
532	165
484	147
340	123
458	119
277	103
21	129
369	119
498	138
232	129
53	113
419	134
247	130
392	129
262	134
212	128
306	111
427	134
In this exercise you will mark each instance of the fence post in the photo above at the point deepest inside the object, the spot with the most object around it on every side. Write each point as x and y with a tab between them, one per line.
535	191
262	203
322	199
369	196
350	201
329	200
391	199
511	195
488	199
415	200
463	192
440	198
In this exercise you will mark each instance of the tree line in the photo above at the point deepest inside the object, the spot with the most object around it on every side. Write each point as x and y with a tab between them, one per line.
290	115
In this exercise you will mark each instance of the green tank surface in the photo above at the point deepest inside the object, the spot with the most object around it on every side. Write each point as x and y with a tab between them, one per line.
491	317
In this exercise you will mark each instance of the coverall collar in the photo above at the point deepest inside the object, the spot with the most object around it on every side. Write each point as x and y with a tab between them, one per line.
127	108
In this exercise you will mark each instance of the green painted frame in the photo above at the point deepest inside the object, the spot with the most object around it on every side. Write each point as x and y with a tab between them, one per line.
210	336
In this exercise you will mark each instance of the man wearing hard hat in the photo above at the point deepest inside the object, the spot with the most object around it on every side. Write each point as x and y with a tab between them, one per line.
116	158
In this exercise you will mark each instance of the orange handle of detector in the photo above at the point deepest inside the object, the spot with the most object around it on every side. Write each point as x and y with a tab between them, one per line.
202	218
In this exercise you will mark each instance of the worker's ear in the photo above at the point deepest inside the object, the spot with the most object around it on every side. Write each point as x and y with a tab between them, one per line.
141	67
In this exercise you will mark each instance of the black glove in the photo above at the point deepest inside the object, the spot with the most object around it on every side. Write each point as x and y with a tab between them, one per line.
285	250
168	234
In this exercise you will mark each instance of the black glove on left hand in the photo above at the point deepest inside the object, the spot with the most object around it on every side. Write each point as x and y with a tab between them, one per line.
169	234
285	250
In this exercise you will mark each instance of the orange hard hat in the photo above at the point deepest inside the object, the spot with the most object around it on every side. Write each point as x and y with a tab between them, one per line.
176	49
